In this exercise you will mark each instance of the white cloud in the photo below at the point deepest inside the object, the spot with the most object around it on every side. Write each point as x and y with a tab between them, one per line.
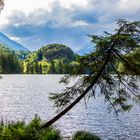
61	11
38	12
72	19
14	38
71	3
26	5
120	9
80	23
22	6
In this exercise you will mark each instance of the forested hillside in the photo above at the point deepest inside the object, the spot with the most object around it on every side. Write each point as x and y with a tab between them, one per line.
51	59
55	51
9	62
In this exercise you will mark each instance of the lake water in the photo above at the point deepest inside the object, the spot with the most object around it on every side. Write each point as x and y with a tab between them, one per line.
23	96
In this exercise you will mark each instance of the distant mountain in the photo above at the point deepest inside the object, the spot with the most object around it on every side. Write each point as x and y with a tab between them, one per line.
85	50
11	43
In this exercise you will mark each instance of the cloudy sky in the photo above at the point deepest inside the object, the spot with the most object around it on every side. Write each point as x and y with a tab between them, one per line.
34	23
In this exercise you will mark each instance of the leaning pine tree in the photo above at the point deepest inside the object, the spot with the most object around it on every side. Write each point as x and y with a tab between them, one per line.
116	88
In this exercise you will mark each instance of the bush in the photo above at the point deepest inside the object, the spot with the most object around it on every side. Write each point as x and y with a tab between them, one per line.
81	135
31	131
21	131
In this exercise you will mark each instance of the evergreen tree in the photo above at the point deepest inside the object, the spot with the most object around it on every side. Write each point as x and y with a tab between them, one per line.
52	68
36	67
117	89
40	69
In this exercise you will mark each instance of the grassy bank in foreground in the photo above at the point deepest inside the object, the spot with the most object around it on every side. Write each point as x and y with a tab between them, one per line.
31	131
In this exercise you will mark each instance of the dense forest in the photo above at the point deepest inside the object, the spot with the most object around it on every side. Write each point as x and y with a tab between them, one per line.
50	59
53	59
9	62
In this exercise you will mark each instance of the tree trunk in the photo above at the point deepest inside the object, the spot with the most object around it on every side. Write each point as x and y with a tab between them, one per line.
54	119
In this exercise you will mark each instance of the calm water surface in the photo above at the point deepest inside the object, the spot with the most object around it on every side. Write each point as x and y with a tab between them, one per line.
23	96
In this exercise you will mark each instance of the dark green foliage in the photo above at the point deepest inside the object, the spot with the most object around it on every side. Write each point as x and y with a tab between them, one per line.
52	69
22	54
28	68
37	70
55	51
60	67
36	62
33	67
117	89
31	131
134	60
9	63
52	59
103	69
81	135
21	131
71	68
40	69
39	55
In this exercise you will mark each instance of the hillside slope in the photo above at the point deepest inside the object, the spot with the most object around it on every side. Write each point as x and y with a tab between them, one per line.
11	43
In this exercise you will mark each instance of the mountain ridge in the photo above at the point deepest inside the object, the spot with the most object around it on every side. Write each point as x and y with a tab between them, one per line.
85	50
5	40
